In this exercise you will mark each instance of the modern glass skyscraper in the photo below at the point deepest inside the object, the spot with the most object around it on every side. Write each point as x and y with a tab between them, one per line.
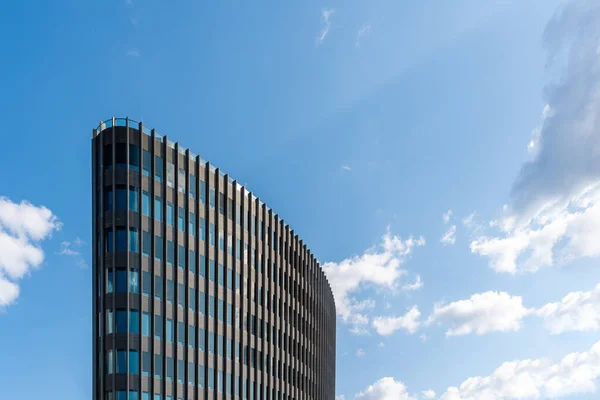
201	291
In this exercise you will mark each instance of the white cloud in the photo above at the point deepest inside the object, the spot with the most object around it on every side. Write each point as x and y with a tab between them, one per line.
381	345
340	397
555	208
576	373
481	313
416	285
22	227
408	322
446	216
72	249
346	168
360	353
428	394
364	31
578	311
326	16
449	237
378	267
133	53
385	389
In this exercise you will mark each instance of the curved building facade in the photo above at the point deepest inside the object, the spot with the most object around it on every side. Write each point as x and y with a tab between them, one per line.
201	291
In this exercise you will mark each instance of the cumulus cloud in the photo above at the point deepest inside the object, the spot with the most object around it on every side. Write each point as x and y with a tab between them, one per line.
428	394
481	313
449	238
555	208
416	285
385	389
378	267
408	322
578	311
326	17
360	353
576	373
446	216
22	227
363	32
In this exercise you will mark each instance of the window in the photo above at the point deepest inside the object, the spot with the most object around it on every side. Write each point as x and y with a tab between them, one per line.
158	367
146	243
180	333
109	281
238	248
181	219
170	290
145	324
202	303
170	214
229	279
211	234
158	327
229	244
110	362
158	208
229	312
202	192
134	240
158	248
170	252
201	339
192	261
133	198
212	198
211	270
211	342
181	257
146	162
158	287
192	299
229	208
146	283
193	225
170	175
192	186
107	155
201	376
191	374
181	181
109	322
146	363
222	203
192	336
121	321
121	361
221	275
221	240
180	371
202	266
211	379
221	305
180	295
146	203
211	307
134	157
121	199
134	362
134	281
121	280
108	240
169	330
158	166
170	368
121	240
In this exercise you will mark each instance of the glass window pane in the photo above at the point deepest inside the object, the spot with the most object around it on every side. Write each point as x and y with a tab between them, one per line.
146	162
145	324
121	361
158	167
134	157
134	362
121	281
121	199
134	241
146	283
133	198
134	321
158	248
121	240
121	321
181	181
192	186
158	208
170	214
147	243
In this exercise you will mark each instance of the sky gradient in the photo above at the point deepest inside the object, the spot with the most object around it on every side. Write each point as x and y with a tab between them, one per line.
439	158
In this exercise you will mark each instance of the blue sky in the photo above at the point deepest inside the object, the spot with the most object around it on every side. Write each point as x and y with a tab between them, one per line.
362	124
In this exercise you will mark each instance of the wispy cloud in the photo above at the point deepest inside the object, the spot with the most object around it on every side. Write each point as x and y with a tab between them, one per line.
73	249
360	353
326	17
446	216
449	238
133	53
363	32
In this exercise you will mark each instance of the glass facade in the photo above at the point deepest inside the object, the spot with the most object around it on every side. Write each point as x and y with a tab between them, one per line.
269	331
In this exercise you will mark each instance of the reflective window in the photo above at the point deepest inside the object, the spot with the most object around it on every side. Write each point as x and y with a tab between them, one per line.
170	214
170	252
181	181
146	283
146	162
134	157
158	208
212	198
193	225
181	257
192	299
108	240
121	199
170	369
180	333
192	261
121	321
211	270
121	361
158	289
201	339
169	330
134	362
220	310
202	192
146	364
158	167
146	203
181	219
222	203
180	371
211	234
145	324
170	175
180	295
108	200
191	374
133	395
146	243
107	156
121	155
121	240
134	321
221	240
133	198
170	290
229	279
109	281
192	336
158	248
158	325
134	240
121	280
211	307
211	379
211	342
134	281
110	369
201	376
202	266
192	186
158	367
221	275
109	322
